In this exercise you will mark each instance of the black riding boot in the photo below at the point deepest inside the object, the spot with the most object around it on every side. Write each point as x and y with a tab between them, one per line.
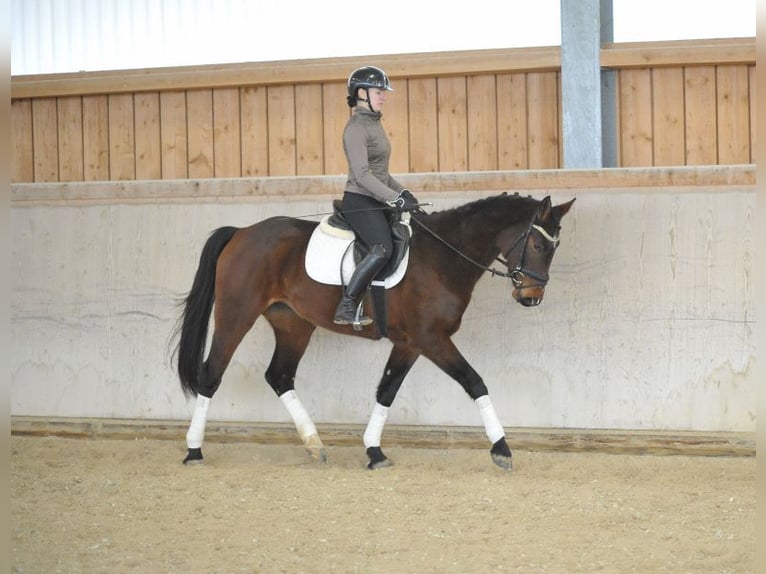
363	275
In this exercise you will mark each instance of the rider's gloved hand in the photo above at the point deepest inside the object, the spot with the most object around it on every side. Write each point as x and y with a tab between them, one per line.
405	201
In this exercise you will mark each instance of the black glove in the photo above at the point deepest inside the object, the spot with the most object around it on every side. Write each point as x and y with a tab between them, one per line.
405	201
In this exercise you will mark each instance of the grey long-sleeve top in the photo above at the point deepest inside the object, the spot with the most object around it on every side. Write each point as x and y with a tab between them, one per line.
368	152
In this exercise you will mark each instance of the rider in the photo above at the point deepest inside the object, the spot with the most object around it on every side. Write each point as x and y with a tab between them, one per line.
370	189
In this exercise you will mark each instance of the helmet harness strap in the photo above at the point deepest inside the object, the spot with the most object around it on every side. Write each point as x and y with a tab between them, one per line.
369	103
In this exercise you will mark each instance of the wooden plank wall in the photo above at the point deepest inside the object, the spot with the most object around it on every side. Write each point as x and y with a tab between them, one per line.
683	103
686	115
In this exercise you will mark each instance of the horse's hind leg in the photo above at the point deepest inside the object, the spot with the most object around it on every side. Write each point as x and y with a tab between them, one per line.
399	363
292	335
238	316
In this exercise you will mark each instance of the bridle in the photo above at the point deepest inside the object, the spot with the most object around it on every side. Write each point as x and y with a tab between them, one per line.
517	274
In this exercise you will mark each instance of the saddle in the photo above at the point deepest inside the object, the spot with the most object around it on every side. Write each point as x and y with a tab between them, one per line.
400	234
333	250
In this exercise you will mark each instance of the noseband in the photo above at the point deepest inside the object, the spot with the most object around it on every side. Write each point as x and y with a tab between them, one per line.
517	274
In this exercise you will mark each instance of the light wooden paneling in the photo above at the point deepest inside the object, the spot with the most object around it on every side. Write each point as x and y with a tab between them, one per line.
148	144
122	137
498	112
199	126
424	125
396	123
22	155
453	124
700	102
95	137
45	139
430	64
173	136
335	114
678	53
255	143
309	143
227	146
668	117
281	119
70	138
752	107
512	147
482	123
543	120
533	181
635	117
733	114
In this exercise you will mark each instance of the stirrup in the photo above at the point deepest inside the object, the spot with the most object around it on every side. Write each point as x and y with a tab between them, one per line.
359	320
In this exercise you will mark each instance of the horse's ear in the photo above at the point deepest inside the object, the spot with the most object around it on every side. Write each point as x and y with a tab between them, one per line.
544	209
562	209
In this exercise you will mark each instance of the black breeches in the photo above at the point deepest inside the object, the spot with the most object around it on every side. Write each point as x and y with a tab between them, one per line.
367	217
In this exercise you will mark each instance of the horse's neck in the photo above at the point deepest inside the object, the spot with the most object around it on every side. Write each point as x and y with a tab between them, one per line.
477	231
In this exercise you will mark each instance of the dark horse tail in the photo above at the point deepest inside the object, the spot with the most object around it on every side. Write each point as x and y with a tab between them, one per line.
195	316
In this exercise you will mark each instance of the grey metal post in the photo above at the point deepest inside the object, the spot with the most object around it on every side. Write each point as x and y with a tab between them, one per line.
608	93
581	82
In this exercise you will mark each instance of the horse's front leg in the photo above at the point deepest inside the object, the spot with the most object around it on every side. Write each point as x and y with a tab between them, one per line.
399	363
447	357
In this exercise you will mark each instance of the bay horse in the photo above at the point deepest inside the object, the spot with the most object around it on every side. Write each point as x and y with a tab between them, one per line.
259	270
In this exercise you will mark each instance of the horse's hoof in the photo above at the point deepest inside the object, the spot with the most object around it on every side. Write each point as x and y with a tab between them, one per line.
315	448
377	458
194	456
385	463
501	454
504	462
318	454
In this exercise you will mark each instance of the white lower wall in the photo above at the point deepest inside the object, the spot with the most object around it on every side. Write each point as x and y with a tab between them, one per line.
648	320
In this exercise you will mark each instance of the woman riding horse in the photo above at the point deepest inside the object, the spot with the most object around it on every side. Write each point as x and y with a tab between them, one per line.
370	189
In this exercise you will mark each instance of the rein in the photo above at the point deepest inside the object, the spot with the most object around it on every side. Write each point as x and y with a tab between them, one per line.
491	270
516	275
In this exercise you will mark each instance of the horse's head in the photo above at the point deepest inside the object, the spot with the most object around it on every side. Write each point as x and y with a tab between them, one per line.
529	254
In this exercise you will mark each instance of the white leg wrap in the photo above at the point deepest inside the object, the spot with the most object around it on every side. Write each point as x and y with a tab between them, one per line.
489	417
374	428
196	433
300	416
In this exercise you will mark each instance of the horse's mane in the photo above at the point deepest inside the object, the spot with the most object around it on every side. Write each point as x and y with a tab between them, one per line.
504	202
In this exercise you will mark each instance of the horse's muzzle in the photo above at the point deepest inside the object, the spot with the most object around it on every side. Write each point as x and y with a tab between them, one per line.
529	296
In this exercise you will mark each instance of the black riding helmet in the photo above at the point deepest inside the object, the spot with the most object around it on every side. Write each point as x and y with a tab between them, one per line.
366	77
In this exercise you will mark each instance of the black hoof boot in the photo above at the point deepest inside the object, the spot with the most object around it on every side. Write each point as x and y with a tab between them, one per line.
501	455
194	456
377	458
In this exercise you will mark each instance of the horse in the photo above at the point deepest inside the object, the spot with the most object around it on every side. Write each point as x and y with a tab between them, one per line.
254	271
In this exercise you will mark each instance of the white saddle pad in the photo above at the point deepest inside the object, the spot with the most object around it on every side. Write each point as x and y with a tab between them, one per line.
330	256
